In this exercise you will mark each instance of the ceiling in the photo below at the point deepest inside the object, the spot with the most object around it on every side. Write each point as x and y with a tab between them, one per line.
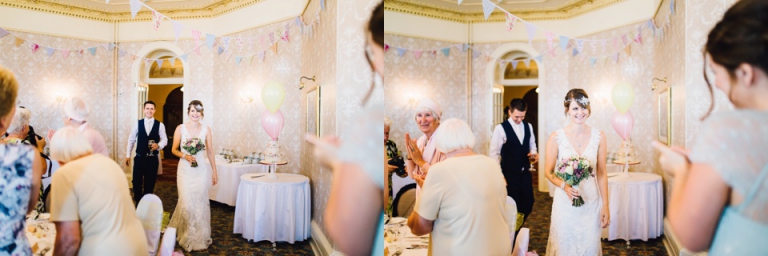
472	10
119	10
117	6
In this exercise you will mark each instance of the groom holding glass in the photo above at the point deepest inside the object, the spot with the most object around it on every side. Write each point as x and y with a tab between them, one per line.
514	144
146	133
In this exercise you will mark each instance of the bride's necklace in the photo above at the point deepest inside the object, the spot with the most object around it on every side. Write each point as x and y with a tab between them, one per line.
578	138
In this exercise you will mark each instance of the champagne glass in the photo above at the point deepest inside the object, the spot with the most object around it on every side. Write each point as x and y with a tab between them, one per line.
151	142
532	160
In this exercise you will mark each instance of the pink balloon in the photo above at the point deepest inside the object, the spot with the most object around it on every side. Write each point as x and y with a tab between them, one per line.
622	123
272	123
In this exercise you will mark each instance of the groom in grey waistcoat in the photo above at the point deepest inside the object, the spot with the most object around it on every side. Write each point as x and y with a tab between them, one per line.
145	165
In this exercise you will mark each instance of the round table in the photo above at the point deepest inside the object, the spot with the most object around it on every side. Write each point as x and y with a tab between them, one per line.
273	209
636	202
225	190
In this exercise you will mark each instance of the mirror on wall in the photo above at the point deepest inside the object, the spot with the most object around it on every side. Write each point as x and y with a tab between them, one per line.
313	111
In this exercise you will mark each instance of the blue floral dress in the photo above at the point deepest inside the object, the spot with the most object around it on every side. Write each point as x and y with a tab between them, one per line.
15	184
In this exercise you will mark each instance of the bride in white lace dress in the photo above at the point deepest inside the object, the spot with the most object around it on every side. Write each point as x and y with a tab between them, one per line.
576	230
192	217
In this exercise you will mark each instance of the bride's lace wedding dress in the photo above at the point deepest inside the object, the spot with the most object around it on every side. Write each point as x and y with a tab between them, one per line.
192	217
576	230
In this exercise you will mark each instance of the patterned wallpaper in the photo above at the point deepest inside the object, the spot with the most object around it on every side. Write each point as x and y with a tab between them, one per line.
319	50
409	79
42	79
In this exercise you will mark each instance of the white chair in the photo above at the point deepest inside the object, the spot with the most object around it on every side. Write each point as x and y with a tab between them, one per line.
169	242
511	215
521	246
150	212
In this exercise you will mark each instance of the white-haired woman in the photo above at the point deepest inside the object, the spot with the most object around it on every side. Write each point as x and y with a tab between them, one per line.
463	202
422	152
76	113
90	201
21	170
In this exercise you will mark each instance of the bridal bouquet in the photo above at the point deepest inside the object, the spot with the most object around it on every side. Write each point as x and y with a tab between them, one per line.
193	146
573	170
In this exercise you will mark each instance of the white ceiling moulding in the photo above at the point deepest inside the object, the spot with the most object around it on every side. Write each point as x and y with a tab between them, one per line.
613	16
30	21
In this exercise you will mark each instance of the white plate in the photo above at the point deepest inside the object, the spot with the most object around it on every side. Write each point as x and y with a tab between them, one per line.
397	220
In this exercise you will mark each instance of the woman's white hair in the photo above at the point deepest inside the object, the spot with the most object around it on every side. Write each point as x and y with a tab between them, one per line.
68	144
20	119
387	122
453	134
423	109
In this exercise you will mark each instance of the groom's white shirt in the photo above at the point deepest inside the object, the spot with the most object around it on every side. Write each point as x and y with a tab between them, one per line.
147	127
500	137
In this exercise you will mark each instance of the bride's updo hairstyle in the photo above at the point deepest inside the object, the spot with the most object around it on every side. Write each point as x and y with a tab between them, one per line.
579	96
197	105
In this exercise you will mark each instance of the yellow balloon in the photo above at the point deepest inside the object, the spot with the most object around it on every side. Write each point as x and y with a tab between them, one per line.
272	95
623	96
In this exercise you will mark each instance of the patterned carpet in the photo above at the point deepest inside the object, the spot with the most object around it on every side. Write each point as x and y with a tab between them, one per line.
222	221
539	222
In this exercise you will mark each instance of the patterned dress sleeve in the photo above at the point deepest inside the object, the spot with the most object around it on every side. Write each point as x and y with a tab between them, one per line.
363	144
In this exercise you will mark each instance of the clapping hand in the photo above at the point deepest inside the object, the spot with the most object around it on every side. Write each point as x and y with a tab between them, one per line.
413	150
673	160
325	149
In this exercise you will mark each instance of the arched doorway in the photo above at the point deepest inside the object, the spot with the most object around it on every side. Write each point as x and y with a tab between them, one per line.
530	74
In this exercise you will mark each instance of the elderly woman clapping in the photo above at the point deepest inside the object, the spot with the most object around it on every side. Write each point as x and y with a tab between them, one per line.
90	201
422	153
463	202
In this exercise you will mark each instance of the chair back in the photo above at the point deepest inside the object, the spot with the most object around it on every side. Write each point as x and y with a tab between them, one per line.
404	201
150	212
521	245
169	242
511	215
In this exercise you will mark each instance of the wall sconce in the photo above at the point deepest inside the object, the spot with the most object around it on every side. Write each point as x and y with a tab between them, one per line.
246	99
653	85
61	99
301	83
413	98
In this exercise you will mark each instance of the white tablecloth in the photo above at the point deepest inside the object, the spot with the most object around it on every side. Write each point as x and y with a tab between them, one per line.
409	239
273	209
636	205
46	237
229	179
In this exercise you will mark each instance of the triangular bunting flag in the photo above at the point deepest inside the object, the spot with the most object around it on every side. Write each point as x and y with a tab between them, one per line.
322	5
575	51
135	7
196	36
464	47
209	40
510	21
539	59
49	51
592	61
503	64
172	61
672	7
458	46
184	57
417	54
580	44
220	50
488	8
159	63
476	54
400	52
110	46
514	64
531	31
624	39
238	59
550	39
92	50
446	51
639	37
386	48
272	38
19	41
176	29
261	56
285	36
225	42
628	50
156	18
3	32
65	53
121	53
274	48
527	63
564	40
35	47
